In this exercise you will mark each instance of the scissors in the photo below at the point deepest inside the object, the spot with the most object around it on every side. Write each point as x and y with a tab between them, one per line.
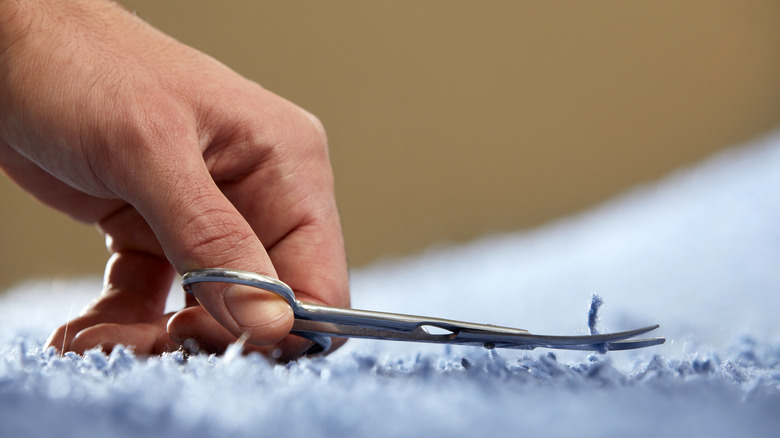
319	323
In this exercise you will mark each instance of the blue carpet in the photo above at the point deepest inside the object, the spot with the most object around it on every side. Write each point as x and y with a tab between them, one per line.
698	253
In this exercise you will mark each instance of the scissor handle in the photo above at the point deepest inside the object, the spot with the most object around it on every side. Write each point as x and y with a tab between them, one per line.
253	279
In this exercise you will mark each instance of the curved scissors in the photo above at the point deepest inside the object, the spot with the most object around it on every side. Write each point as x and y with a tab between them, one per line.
319	323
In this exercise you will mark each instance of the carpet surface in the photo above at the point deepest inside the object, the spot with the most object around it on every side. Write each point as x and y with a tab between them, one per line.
697	253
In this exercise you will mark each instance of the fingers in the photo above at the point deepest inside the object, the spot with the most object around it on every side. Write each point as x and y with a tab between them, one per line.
194	323
301	228
95	330
61	338
182	214
144	338
289	200
198	227
135	288
262	188
134	292
83	334
263	318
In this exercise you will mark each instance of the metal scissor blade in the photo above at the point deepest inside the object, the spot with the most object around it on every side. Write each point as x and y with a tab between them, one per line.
389	322
319	321
607	341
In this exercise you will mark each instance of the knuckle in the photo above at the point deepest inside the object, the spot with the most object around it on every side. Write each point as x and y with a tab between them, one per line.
160	126
151	120
298	129
317	126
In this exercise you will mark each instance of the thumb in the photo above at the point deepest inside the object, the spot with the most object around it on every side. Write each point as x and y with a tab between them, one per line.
198	227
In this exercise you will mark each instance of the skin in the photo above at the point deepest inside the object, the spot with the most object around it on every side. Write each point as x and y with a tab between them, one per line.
181	163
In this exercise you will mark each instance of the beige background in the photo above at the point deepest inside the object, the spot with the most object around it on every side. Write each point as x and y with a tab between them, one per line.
451	119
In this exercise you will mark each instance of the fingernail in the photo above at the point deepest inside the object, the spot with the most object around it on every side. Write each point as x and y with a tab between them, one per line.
253	308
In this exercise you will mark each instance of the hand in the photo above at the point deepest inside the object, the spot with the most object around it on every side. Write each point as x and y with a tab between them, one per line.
182	164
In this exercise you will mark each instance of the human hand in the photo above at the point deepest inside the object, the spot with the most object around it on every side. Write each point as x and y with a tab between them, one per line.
182	163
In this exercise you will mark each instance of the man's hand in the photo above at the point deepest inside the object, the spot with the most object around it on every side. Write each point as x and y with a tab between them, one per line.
182	163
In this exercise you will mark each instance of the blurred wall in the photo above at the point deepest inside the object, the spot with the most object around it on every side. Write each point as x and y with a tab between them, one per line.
451	119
